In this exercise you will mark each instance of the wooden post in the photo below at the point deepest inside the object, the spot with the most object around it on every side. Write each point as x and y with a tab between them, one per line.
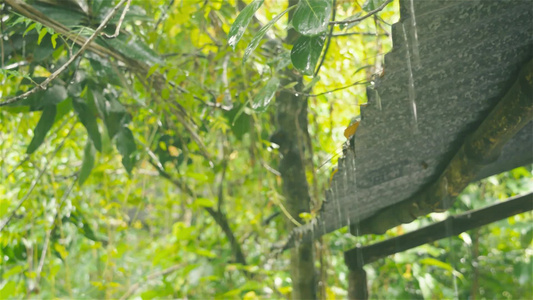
357	283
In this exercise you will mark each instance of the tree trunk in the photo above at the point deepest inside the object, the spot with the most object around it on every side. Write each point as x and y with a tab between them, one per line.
290	136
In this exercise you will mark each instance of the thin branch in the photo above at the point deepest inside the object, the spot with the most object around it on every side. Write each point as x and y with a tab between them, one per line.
221	185
119	24
330	91
54	75
359	33
369	14
176	182
329	38
49	232
34	183
219	217
270	169
152	276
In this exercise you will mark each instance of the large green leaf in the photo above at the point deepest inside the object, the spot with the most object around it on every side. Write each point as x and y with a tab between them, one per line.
88	119
306	51
88	162
312	16
43	126
241	22
133	48
115	116
39	100
265	95
259	35
126	147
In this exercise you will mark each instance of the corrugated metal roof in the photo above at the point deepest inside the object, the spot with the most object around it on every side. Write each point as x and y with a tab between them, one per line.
451	62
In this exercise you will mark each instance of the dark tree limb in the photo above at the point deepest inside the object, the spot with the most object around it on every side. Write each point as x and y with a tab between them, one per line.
481	148
219	217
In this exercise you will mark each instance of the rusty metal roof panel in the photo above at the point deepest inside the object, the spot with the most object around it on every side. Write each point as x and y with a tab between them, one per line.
451	63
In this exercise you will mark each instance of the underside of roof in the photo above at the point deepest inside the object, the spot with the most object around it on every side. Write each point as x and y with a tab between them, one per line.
451	63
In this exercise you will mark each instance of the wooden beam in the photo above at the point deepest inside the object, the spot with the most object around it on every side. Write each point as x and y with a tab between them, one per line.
452	226
479	149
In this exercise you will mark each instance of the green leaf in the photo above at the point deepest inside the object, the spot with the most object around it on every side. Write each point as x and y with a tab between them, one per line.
134	49
241	22
259	35
115	116
43	32
437	263
126	147
306	51
262	99
53	96
43	126
53	40
88	119
312	16
88	162
204	202
32	26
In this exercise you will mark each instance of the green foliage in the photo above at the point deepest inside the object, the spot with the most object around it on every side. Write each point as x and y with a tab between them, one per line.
311	17
45	124
110	131
306	52
241	22
265	95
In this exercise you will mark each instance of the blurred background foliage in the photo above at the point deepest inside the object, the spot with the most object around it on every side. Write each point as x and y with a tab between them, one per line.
118	197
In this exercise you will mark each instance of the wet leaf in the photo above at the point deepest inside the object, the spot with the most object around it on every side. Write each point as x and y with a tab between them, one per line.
43	126
351	129
241	22
134	49
265	95
88	162
115	116
126	147
306	51
88	119
259	35
65	14
312	16
52	96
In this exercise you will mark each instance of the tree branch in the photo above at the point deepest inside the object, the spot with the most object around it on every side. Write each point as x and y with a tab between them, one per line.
369	14
219	217
117	30
152	276
54	75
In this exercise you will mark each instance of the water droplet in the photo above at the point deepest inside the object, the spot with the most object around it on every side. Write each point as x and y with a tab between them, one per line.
378	100
414	39
411	84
